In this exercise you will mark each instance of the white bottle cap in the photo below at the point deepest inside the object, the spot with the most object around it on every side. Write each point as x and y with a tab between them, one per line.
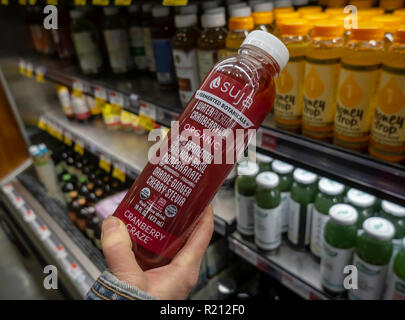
282	3
252	3
216	10
379	228
267	180
343	214
360	199
263	7
185	20
191	8
75	14
330	187
209	5
393	208
33	150
110	11
263	158
304	177
133	9
270	44
281	167
213	19
248	168
160	11
146	7
240	12
300	2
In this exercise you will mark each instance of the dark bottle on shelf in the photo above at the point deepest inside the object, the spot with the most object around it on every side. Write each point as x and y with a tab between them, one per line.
92	223
226	289
73	208
67	187
116	185
83	190
84	214
92	199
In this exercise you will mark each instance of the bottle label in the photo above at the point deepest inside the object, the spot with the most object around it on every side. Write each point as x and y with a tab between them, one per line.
163	51
388	127
297	210
333	262
289	94
356	102
64	99
320	83
285	208
147	41
206	60
118	50
317	228
137	48
187	73
87	51
396	289
245	214
267	227
371	280
180	179
80	108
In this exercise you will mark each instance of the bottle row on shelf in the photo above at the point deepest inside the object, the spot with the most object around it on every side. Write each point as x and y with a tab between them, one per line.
339	225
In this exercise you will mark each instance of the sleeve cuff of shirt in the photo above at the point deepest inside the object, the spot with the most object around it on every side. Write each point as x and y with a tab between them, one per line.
109	287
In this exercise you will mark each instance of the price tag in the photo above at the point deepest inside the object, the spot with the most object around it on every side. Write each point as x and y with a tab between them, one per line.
119	171
58	133
44	232
105	163
77	88
28	215
51	129
175	2
18	201
67	138
4	2
80	2
122	2
79	147
61	252
8	188
22	2
147	116
42	124
101	2
39	73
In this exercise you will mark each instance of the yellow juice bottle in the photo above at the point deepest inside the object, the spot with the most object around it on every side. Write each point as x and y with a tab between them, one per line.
279	18
320	80
263	21
290	82
390	24
400	13
358	82
346	23
239	28
312	18
387	140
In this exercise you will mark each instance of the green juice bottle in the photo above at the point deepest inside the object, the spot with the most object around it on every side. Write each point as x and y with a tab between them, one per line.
264	162
245	188
330	193
364	204
284	172
338	245
372	256
303	192
267	220
396	285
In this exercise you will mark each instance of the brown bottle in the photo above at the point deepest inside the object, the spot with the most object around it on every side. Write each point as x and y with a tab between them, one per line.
92	221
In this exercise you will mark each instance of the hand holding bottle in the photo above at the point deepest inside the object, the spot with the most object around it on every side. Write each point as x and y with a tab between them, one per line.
173	281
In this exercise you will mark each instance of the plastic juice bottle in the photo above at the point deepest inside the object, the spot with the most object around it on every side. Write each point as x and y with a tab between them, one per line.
303	192
264	162
211	41
400	13
330	193
239	28
267	209
185	56
116	39
391	5
282	17
372	255
66	103
290	82
284	172
162	32
94	107
245	188
358	83
312	18
136	37
263	21
387	140
347	27
244	84
335	11
339	240
396	285
364	203
309	10
147	37
321	78
390	25
84	38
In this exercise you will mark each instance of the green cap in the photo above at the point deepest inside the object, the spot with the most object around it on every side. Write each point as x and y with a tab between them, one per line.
66	177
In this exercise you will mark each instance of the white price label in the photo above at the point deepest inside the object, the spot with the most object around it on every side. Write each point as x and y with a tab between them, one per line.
147	109
28	215
18	201
8	188
60	252
40	73
44	232
100	93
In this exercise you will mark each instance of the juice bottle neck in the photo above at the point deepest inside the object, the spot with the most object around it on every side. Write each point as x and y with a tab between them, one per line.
260	58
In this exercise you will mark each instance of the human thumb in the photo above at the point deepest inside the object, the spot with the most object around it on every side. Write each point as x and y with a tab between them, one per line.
117	249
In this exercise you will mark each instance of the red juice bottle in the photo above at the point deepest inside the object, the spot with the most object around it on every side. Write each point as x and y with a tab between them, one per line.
164	204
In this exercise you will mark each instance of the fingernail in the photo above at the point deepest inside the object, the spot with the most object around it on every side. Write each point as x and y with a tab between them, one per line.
110	223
